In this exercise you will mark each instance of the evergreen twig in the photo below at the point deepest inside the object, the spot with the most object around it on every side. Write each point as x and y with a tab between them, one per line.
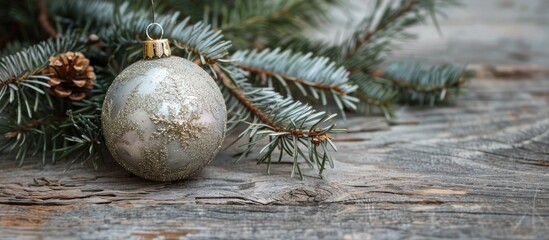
417	88
289	125
407	7
44	21
363	57
342	74
317	76
21	82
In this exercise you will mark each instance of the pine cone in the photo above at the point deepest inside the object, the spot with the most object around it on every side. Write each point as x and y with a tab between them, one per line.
72	76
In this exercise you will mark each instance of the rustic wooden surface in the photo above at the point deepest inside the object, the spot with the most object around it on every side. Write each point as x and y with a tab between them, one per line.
476	169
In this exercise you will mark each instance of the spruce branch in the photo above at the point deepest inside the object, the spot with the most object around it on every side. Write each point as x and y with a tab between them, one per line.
85	142
44	21
243	21
405	84
122	30
21	82
365	49
317	76
290	126
390	18
281	123
388	22
128	29
245	14
29	137
90	15
33	123
421	84
33	59
374	94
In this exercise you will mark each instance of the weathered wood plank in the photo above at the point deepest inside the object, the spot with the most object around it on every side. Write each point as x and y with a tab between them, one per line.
358	221
477	169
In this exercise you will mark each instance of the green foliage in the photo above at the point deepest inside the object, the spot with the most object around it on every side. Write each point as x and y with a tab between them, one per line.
317	76
377	35
17	21
32	121
375	95
21	82
424	85
252	23
258	83
365	51
290	126
28	137
125	27
86	144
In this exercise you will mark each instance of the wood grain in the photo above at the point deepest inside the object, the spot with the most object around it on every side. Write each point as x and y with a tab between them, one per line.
473	170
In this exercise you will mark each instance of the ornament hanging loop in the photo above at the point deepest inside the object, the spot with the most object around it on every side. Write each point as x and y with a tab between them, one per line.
154	24
155	48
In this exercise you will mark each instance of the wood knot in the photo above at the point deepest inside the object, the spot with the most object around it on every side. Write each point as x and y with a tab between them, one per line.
305	195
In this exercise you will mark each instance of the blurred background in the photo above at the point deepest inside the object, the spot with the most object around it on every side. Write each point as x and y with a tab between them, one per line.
487	32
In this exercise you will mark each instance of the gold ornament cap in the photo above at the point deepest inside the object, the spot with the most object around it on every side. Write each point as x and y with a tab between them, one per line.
156	48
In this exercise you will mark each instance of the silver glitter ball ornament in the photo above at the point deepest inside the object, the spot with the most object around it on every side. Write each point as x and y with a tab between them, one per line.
164	119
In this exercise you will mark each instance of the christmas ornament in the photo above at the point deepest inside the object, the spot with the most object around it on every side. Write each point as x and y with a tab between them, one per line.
71	76
163	117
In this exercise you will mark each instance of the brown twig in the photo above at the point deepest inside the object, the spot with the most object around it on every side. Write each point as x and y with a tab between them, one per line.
318	86
7	82
17	79
239	94
362	42
404	84
195	51
34	123
379	73
372	101
44	20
